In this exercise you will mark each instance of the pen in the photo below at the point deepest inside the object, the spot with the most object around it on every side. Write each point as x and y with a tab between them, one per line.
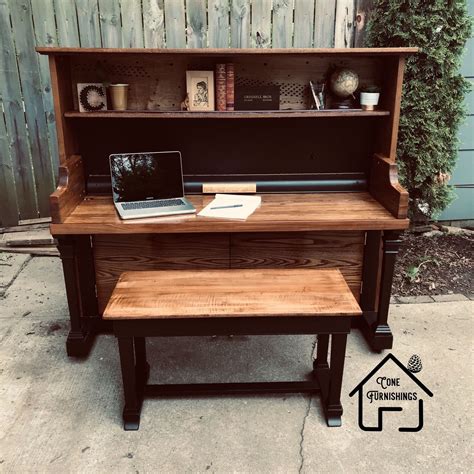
227	207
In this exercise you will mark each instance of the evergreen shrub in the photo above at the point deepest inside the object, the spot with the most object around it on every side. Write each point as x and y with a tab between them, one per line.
432	102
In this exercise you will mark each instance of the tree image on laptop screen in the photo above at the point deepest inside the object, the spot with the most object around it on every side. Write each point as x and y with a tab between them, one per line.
140	177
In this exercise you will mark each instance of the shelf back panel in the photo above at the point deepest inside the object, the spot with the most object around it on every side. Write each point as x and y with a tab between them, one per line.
159	83
246	147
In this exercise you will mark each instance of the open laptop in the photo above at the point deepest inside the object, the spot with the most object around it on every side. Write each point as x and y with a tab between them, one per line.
148	184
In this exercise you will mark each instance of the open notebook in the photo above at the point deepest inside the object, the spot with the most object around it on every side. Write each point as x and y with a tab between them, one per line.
231	206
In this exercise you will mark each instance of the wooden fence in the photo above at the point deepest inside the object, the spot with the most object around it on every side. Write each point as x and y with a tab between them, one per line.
28	148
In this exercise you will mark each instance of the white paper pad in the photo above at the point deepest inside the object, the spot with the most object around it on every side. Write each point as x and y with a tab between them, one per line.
248	206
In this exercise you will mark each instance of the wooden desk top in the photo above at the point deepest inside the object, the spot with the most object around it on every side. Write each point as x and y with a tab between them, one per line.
231	293
278	213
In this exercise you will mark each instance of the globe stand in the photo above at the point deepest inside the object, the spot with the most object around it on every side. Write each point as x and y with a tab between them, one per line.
347	103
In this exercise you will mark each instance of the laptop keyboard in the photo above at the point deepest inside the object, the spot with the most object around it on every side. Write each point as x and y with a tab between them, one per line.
127	206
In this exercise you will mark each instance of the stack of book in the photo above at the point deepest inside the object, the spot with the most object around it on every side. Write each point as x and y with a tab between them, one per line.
225	86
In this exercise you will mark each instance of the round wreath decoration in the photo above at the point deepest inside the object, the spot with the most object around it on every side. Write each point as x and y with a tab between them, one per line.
84	98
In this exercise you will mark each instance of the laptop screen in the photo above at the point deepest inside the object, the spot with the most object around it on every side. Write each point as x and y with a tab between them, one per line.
144	176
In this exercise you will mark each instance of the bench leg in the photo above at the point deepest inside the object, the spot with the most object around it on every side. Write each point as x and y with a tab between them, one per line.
332	403
133	399
321	361
142	367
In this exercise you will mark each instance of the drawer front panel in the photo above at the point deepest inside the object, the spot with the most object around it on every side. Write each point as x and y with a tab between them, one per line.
118	253
342	250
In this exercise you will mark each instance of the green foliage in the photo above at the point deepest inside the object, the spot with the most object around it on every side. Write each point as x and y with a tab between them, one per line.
413	272
432	102
372	89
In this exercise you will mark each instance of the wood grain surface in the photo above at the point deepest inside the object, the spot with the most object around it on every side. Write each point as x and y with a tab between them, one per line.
70	191
384	186
318	250
231	293
116	254
269	114
278	212
237	187
61	86
386	140
232	51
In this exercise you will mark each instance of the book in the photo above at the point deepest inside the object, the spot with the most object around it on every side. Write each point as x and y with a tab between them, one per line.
221	91
231	206
257	98
230	78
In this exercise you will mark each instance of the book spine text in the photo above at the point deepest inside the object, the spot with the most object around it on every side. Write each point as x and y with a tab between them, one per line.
229	67
221	92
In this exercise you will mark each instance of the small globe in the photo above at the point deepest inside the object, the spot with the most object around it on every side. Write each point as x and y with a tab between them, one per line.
344	82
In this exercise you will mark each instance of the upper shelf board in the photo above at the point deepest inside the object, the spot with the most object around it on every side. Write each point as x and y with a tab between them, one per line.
242	114
233	51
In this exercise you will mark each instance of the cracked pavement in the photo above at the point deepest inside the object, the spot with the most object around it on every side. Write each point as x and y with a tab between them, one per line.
64	415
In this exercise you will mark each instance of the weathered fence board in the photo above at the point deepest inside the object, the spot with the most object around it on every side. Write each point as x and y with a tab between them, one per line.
282	29
66	21
46	34
304	23
218	11
344	24
175	24
324	19
362	15
28	164
22	30
240	24
262	24
44	22
153	23
196	28
110	25
132	24
14	117
88	22
9	206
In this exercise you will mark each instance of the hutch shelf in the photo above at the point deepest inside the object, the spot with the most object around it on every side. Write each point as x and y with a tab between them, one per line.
328	179
229	115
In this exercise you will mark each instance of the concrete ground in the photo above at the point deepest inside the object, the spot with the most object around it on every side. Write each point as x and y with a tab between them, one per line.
64	415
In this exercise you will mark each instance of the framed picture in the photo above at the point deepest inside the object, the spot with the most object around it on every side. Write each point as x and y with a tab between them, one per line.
91	97
200	89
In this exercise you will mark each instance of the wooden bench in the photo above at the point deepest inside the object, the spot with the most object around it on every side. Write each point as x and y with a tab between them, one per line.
221	302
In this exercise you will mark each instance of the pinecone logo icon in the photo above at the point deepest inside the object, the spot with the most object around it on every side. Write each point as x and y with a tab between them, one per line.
414	364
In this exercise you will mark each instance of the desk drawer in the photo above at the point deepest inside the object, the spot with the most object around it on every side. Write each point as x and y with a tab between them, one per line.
114	254
342	250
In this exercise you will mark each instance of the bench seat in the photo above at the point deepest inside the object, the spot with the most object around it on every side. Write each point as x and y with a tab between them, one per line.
230	293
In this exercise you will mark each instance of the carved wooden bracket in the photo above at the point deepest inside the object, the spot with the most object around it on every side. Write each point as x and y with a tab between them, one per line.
70	191
384	186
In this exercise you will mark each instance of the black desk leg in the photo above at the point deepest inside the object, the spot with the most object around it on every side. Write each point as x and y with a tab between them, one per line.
332	404
132	393
374	323
79	277
391	244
